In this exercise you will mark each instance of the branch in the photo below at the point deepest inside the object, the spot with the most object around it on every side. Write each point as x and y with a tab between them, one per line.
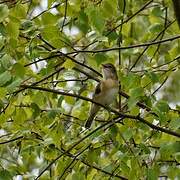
69	57
125	21
141	105
65	14
126	47
77	143
109	124
176	4
52	7
93	166
37	82
155	91
74	159
154	127
146	48
11	140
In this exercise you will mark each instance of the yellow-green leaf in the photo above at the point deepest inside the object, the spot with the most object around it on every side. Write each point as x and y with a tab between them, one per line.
4	11
68	64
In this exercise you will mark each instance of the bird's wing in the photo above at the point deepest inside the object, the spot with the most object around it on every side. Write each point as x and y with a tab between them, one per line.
94	107
97	90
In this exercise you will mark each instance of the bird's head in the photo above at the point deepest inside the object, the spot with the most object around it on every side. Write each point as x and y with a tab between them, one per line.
109	71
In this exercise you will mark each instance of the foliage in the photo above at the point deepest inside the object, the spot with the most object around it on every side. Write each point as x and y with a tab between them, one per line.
49	65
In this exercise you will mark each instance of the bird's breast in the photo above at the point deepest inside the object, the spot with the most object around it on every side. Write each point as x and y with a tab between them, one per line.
110	90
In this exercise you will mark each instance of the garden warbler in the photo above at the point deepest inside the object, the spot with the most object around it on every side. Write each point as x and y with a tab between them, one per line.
105	91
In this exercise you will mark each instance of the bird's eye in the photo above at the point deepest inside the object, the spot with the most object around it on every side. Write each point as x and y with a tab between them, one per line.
109	66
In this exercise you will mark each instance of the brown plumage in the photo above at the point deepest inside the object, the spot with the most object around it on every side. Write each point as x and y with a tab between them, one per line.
105	91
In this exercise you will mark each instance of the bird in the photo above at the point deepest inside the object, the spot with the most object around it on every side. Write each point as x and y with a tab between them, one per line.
105	92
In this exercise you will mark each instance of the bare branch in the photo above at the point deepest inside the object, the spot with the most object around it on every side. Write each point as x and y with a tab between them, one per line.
12	140
126	47
65	14
161	129
128	19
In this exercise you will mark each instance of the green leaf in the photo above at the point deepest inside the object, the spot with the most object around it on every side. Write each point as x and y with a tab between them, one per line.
68	64
70	100
3	92
108	7
96	19
2	31
5	175
83	22
19	70
100	58
38	98
155	28
60	99
14	84
113	36
50	31
4	78
50	3
54	36
50	152
20	116
27	25
13	43
131	81
125	168
162	106
127	134
137	92
157	11
132	101
36	109
53	113
152	174
19	11
175	123
49	18
12	29
78	175
6	61
93	156
145	149
4	11
168	149
134	110
153	76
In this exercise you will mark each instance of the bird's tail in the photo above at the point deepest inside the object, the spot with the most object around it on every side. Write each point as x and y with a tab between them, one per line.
89	121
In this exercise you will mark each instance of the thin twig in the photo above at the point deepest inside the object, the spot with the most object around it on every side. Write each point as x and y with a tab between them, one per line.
77	143
55	6
127	47
173	133
12	140
160	86
128	19
74	159
65	14
92	166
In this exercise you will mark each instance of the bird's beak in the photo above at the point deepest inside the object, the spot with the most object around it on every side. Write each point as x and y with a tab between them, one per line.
103	65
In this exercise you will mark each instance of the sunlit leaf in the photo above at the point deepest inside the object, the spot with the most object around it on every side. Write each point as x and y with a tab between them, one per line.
100	58
4	78
4	11
6	175
68	64
12	29
18	70
163	106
